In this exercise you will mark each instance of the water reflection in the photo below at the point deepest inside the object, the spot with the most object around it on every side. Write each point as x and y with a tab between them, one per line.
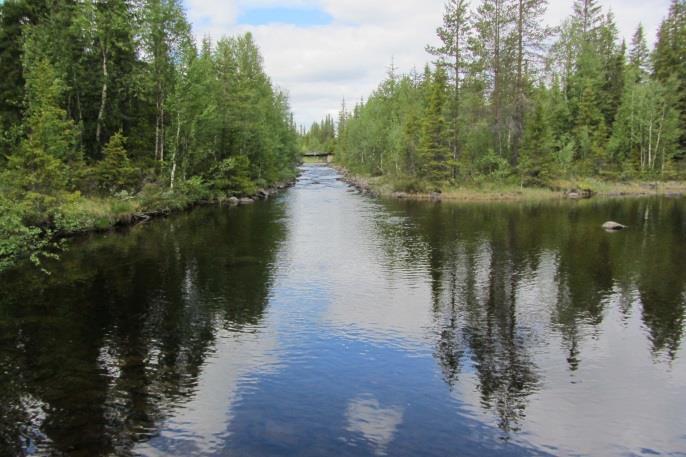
95	358
376	424
508	281
328	323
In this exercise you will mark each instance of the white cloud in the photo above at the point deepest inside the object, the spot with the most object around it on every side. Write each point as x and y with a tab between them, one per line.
319	66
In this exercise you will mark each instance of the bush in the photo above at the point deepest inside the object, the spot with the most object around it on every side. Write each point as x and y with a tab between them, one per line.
16	238
232	175
493	165
195	189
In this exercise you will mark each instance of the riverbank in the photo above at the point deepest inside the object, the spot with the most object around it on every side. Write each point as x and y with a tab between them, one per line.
501	192
76	215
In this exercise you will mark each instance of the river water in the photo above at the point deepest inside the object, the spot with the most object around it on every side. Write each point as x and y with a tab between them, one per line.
324	322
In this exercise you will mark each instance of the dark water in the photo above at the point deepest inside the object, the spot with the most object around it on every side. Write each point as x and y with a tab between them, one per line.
328	323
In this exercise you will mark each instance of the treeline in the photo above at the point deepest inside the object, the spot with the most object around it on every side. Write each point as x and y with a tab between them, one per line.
509	98
109	107
320	137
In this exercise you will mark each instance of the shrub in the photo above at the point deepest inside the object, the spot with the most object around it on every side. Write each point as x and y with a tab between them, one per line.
114	173
232	175
17	239
195	189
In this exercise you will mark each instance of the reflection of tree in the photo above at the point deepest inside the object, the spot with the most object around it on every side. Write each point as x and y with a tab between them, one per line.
476	255
661	283
507	375
96	355
584	278
474	271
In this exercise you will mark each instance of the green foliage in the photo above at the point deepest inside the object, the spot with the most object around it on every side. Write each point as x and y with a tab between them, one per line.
115	172
77	214
500	113
101	97
320	137
433	146
493	165
195	189
232	176
18	240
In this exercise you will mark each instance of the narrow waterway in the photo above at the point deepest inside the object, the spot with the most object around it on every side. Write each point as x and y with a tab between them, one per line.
324	322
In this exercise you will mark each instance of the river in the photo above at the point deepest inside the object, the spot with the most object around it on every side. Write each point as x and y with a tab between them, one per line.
325	322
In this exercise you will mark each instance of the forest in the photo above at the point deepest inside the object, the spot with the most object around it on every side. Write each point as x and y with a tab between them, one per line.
511	100
111	109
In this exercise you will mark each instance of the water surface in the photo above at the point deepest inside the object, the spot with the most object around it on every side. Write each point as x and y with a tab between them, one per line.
324	322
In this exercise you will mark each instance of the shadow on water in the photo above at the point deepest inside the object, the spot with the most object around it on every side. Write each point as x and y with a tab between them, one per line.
96	355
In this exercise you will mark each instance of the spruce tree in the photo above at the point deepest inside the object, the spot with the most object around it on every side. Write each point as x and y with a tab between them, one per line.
454	34
668	58
433	146
639	56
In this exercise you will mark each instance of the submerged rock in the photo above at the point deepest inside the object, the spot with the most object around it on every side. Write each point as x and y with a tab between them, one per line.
612	226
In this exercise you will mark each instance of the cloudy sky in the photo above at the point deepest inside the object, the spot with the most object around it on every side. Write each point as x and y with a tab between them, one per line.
321	51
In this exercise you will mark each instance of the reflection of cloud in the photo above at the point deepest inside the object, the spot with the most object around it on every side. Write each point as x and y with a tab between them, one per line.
376	424
201	426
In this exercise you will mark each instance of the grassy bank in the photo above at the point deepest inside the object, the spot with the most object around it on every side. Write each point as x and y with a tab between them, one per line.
486	191
33	227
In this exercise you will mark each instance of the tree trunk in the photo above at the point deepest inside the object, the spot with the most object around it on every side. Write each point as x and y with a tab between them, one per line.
103	98
496	78
176	149
519	89
456	137
162	133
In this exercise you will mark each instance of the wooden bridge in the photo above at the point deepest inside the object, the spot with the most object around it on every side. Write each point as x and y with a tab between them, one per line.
318	156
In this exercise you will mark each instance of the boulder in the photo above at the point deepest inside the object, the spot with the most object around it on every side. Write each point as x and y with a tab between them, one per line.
246	201
233	201
579	194
613	226
263	194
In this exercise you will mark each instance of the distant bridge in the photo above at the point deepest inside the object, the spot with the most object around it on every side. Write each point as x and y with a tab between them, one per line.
318	155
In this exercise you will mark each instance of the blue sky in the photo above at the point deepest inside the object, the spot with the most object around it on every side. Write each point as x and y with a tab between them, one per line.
299	17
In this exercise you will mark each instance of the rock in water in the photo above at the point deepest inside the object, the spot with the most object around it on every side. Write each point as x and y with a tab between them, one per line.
246	201
233	201
613	226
